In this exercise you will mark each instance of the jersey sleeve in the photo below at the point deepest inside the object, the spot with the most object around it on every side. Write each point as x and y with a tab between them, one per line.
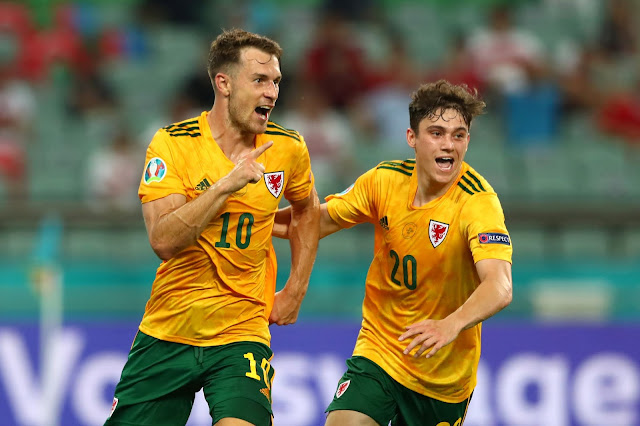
162	172
301	182
482	222
356	204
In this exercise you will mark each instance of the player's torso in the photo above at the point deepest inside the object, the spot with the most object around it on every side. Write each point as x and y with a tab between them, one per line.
420	252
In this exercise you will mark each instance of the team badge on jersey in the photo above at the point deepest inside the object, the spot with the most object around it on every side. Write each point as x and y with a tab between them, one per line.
155	171
342	388
494	238
437	232
113	406
274	182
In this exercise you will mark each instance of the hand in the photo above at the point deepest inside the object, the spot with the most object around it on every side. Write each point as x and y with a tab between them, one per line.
433	334
247	170
285	308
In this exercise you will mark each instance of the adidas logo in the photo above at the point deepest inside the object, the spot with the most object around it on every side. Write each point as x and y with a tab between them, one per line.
204	184
384	223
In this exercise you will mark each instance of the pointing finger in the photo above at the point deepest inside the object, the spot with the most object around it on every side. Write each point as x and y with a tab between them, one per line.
259	150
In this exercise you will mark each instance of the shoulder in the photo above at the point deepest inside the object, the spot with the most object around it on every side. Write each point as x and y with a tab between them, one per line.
395	169
186	128
472	190
277	131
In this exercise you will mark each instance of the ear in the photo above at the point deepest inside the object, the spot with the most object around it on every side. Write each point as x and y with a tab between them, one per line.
222	83
411	138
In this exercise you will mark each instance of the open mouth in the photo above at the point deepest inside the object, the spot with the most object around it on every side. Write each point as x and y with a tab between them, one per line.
445	163
263	111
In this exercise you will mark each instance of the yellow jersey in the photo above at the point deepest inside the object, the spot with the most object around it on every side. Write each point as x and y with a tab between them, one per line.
220	290
423	268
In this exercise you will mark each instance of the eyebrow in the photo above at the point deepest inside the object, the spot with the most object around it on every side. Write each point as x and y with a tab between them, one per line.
436	127
266	77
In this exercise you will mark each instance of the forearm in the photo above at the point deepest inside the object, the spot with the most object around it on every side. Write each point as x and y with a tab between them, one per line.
282	223
489	298
303	234
180	228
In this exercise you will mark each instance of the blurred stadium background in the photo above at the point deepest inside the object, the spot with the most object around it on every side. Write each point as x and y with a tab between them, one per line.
85	84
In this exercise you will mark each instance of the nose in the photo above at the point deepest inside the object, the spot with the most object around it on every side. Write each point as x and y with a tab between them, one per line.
272	90
447	144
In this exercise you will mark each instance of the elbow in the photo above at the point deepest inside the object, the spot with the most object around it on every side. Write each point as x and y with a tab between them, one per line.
163	249
507	297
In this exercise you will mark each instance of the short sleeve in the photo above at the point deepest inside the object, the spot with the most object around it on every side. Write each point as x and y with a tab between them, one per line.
356	204
162	172
301	182
482	222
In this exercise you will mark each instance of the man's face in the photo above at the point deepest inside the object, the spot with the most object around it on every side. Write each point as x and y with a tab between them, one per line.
255	84
440	144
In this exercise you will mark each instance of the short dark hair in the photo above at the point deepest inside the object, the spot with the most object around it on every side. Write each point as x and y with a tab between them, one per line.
225	49
433	99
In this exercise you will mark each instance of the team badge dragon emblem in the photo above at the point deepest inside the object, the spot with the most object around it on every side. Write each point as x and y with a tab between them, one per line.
437	232
274	182
342	388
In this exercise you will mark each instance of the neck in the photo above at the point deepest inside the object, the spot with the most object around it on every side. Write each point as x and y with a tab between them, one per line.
429	190
233	142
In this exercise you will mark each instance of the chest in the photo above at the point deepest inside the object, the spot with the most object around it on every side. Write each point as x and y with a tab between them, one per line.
203	169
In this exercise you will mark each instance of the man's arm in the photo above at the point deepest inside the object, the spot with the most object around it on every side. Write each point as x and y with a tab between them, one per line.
492	295
283	218
174	224
302	232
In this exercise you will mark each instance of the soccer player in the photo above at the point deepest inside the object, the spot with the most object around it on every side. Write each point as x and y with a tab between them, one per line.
442	265
209	193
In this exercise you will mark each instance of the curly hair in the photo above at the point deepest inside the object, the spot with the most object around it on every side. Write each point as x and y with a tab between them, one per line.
433	99
225	49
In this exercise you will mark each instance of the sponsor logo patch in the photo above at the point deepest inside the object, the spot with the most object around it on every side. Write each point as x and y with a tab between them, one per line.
204	184
342	388
155	171
274	182
494	238
384	222
437	232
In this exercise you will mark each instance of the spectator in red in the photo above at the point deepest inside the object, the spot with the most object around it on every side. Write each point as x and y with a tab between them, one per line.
335	63
17	110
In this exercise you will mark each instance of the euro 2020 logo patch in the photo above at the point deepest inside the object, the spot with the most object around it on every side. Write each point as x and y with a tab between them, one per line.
155	171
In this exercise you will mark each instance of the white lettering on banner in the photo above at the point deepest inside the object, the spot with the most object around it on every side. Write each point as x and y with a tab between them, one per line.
294	402
606	388
526	388
24	390
94	376
480	412
548	374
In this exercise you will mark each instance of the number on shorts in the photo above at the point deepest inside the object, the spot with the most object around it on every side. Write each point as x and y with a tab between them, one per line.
264	365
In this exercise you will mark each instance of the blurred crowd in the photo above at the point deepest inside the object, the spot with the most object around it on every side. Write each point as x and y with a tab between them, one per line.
349	69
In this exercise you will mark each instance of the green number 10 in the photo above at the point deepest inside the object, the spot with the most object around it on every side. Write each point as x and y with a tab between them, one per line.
245	218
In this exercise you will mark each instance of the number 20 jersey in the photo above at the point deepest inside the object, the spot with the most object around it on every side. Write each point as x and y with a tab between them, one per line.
219	290
423	268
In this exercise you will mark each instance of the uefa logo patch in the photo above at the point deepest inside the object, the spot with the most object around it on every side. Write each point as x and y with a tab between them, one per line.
155	171
494	238
347	190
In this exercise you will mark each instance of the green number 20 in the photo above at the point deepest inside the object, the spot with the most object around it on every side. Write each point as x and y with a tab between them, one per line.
408	262
245	218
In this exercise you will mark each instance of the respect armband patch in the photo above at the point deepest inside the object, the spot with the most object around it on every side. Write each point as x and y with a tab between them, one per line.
494	238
